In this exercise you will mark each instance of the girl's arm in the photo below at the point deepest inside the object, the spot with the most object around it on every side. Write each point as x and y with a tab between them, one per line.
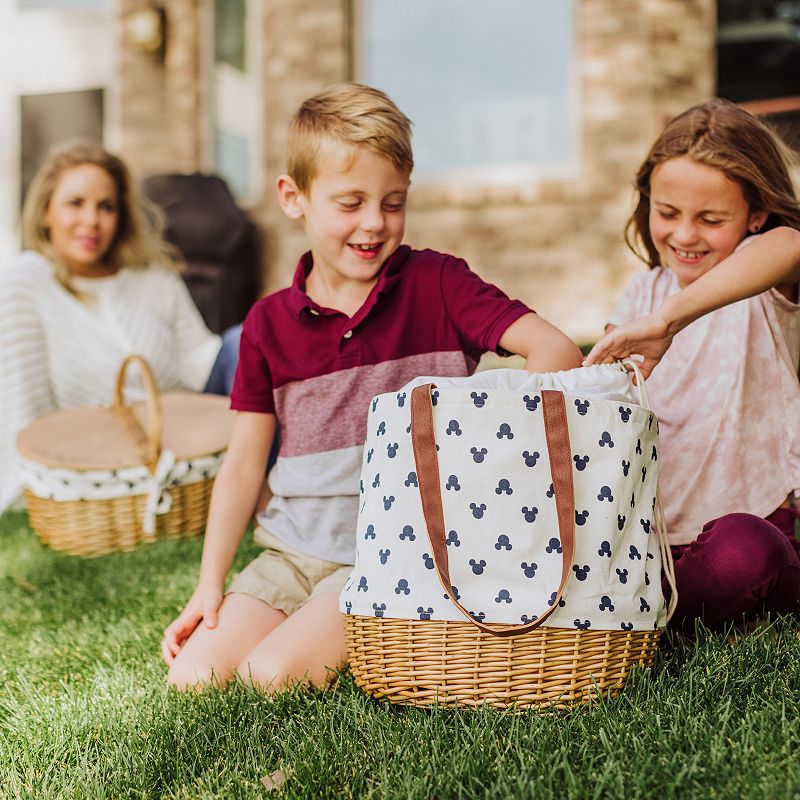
543	346
233	499
771	261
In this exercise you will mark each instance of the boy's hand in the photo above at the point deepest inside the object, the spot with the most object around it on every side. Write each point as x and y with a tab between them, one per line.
648	337
204	606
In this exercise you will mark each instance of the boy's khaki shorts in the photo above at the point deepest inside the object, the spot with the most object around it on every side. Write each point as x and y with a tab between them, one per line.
286	579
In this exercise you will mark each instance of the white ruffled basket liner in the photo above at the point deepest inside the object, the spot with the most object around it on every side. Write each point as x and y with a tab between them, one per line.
615	579
60	484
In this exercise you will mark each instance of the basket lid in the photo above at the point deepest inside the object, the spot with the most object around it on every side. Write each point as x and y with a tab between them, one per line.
104	438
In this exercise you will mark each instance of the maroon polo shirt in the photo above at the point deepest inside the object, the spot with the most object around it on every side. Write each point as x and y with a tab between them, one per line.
317	369
423	302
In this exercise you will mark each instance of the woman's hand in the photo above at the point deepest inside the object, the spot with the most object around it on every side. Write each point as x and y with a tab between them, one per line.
203	606
648	337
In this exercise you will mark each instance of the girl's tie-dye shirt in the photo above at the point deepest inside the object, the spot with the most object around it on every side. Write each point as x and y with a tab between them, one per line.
728	401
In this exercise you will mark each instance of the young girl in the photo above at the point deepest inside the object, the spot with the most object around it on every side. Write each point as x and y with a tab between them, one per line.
96	284
717	222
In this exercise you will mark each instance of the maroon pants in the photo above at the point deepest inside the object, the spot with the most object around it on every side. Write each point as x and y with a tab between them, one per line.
740	566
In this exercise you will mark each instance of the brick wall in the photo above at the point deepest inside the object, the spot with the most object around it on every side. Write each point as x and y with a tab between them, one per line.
306	47
164	102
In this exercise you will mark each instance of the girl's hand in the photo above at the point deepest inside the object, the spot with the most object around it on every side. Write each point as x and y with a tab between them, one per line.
648	337
204	606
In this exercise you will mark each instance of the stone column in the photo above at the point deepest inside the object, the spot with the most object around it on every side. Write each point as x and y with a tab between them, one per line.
306	46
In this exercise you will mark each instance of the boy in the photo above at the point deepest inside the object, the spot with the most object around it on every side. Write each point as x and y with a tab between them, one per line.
364	315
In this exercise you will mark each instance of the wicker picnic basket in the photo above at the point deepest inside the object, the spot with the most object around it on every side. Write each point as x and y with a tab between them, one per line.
448	663
99	480
401	652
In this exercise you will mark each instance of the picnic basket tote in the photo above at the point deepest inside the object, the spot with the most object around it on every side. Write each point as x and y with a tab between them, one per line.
510	542
99	480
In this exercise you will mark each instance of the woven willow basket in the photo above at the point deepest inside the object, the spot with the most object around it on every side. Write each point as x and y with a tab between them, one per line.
101	446
453	663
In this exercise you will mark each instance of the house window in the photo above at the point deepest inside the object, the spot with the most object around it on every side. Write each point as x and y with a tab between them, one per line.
229	33
50	119
232	161
236	121
758	60
490	87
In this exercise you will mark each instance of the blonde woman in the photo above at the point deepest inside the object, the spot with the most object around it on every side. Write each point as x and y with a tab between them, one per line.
95	283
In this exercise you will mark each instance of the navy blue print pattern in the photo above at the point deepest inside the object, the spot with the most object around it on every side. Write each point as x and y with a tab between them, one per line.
502	538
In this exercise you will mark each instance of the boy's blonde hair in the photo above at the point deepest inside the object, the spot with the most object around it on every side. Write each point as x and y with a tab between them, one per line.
346	116
138	240
724	136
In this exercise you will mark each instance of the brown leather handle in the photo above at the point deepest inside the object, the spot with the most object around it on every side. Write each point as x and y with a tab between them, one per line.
427	462
149	442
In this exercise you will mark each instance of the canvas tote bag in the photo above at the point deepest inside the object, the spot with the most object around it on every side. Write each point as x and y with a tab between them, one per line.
512	504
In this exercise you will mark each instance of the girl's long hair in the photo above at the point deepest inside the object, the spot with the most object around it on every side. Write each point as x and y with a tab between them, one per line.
138	240
722	135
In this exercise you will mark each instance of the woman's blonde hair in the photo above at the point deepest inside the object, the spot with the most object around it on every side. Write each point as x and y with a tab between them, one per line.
138	240
725	136
347	116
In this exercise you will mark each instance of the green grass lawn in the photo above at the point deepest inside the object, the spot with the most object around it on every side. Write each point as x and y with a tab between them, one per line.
84	712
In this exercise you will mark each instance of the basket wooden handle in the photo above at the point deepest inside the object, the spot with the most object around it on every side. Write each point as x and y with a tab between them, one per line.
427	462
150	439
